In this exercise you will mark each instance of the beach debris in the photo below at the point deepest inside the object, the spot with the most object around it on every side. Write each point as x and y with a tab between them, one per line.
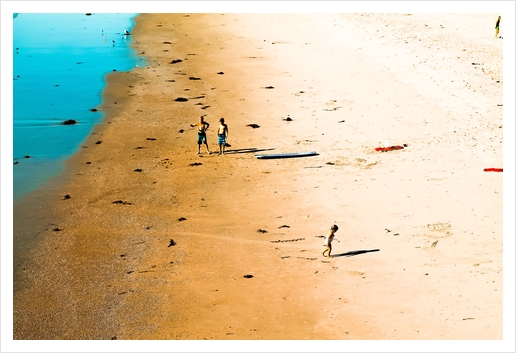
181	99
88	162
288	118
493	169
396	234
138	170
172	243
15	163
27	156
151	138
198	97
287	240
320	236
307	258
145	271
170	81
220	73
56	229
206	107
120	202
98	142
167	42
262	231
342	121
469	318
194	78
88	14
330	163
181	219
434	243
388	230
181	131
285	257
139	148
254	126
93	110
176	61
269	87
66	197
195	164
248	276
284	226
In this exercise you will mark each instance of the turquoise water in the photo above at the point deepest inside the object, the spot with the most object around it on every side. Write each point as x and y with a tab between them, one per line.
59	65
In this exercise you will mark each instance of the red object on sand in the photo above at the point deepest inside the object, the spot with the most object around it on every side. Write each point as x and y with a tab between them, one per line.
391	148
493	169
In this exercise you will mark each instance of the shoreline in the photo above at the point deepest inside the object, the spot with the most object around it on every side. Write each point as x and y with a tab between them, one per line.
104	275
30	211
43	139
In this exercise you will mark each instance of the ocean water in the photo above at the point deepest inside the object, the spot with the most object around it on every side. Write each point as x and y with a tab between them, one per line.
59	67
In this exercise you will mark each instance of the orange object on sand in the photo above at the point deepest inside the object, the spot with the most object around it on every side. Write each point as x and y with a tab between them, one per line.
391	148
493	169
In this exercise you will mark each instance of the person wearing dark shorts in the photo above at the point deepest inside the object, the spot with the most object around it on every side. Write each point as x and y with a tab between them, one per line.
222	134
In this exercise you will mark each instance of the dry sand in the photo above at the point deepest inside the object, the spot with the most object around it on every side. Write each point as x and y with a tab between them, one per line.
418	255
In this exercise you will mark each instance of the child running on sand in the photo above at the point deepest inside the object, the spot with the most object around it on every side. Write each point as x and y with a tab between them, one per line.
222	135
201	134
329	239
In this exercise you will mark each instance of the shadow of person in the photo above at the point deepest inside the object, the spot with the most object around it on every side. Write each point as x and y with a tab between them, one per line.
355	252
248	150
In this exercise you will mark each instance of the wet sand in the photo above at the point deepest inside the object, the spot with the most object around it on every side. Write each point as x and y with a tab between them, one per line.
155	242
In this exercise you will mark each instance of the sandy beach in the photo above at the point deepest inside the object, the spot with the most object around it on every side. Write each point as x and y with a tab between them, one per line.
143	239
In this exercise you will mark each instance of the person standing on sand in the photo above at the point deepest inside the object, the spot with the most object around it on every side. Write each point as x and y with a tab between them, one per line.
201	134
329	239
222	134
497	26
